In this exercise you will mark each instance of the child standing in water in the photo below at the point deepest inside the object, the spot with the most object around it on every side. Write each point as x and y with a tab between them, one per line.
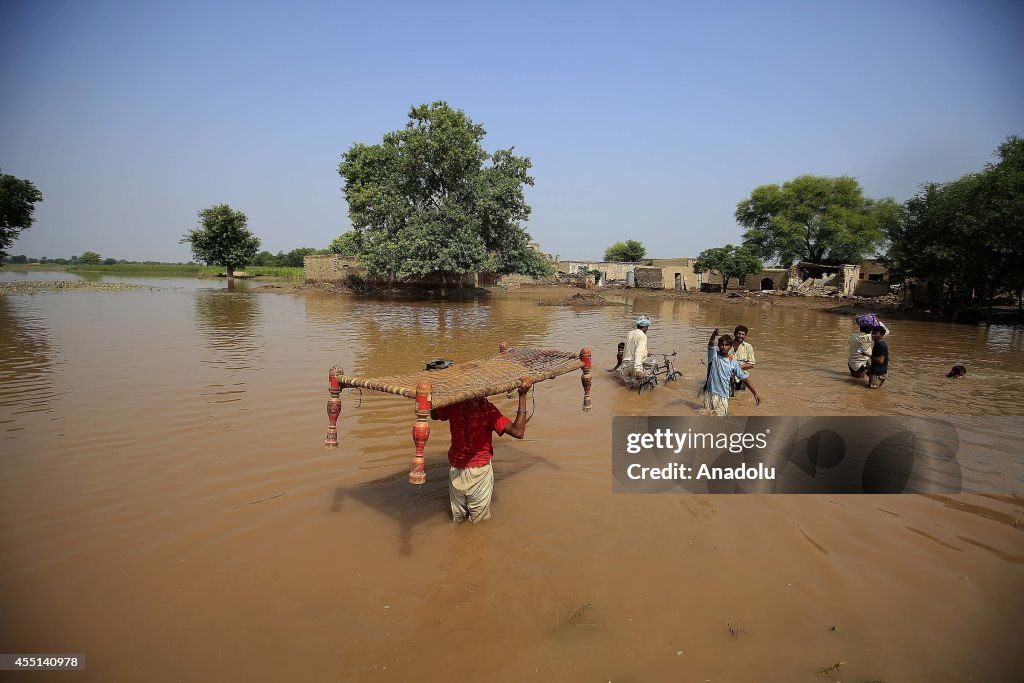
878	370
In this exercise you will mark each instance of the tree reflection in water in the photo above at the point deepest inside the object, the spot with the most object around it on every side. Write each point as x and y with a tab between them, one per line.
228	321
27	368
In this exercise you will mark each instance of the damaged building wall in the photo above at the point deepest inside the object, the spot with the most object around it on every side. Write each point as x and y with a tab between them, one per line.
649	277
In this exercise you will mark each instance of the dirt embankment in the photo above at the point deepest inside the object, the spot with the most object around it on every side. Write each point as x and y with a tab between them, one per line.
579	299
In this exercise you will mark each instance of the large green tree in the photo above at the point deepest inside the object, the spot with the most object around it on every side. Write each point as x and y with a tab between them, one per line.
90	258
729	262
18	199
222	238
430	199
815	218
966	234
630	250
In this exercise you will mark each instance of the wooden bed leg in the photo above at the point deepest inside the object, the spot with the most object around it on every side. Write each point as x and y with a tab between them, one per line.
586	379
420	433
333	406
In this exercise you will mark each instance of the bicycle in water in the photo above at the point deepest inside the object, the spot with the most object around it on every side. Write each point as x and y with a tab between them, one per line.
653	370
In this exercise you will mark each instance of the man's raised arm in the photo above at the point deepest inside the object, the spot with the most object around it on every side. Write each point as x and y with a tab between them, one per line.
518	427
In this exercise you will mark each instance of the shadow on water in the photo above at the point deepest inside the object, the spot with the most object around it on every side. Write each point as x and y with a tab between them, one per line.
410	505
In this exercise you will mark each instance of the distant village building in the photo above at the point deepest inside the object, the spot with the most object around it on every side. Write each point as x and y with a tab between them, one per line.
767	280
610	271
873	278
678	274
869	278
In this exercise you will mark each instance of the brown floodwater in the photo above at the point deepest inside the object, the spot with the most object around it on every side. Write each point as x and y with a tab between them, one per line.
168	510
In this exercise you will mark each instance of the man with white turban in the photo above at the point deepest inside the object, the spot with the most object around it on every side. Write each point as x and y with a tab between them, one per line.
635	352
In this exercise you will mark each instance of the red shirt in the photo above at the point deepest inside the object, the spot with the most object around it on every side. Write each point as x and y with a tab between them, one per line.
471	424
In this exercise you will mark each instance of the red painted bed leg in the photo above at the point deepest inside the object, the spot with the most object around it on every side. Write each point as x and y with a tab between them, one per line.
586	379
333	406
420	433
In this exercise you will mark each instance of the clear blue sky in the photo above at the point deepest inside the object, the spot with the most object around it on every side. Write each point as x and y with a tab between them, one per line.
643	120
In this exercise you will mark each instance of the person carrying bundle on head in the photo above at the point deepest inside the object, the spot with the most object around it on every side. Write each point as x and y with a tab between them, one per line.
860	344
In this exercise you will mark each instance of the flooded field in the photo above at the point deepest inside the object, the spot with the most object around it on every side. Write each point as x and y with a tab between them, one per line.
168	510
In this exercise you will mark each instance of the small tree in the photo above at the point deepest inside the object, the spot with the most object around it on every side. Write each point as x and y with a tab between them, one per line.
90	258
345	244
222	238
17	205
265	258
296	258
729	262
535	264
630	250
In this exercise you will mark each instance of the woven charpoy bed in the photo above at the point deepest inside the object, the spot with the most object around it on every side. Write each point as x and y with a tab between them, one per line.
464	381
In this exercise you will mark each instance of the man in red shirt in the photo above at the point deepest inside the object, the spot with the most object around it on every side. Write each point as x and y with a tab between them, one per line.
470	477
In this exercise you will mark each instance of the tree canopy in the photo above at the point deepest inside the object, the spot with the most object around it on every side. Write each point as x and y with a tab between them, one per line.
815	218
966	233
729	262
296	258
18	199
430	199
630	250
222	238
90	258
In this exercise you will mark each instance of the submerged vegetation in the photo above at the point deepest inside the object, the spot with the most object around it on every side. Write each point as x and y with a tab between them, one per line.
32	287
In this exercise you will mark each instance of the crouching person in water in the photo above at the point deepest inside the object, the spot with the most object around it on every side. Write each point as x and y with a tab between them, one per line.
471	477
618	357
721	370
